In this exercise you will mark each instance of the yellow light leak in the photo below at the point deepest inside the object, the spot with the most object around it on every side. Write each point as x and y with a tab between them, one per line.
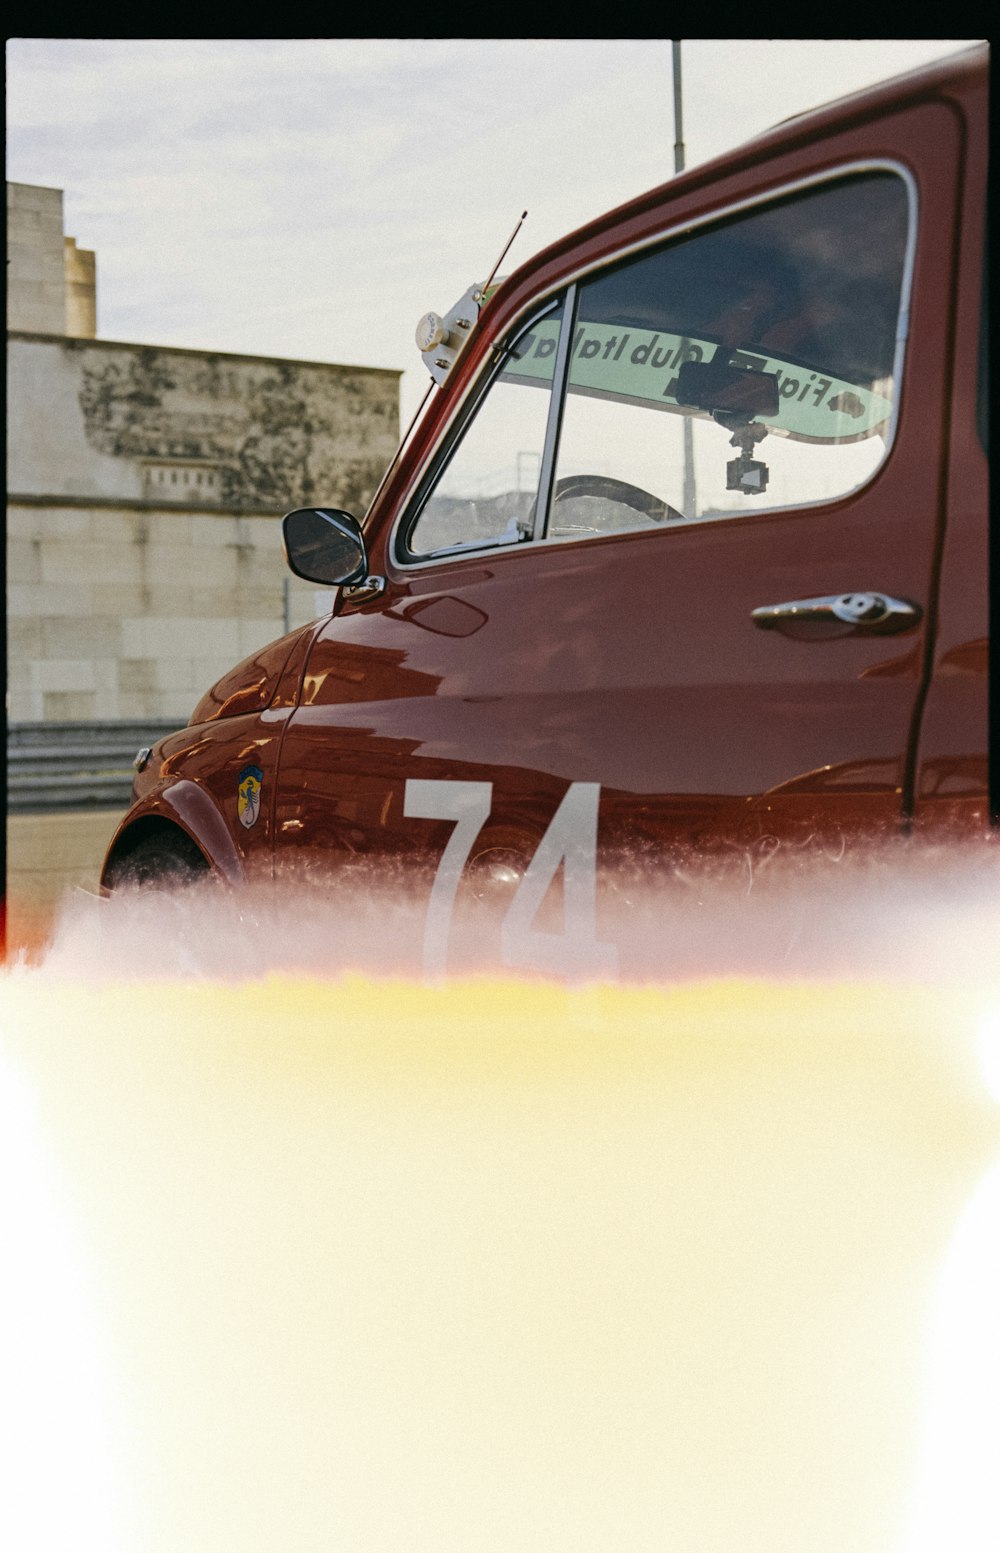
57	1466
496	1265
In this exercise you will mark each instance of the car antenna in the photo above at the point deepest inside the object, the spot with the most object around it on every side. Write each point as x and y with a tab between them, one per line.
506	250
441	340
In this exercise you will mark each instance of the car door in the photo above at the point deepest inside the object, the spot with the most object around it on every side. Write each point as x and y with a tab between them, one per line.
674	624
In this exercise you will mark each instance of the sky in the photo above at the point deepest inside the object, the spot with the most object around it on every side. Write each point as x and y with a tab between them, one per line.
313	197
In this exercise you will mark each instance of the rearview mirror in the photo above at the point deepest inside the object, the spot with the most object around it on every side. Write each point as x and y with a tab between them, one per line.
718	385
323	544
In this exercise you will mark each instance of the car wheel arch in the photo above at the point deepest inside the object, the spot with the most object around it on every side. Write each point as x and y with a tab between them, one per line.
148	837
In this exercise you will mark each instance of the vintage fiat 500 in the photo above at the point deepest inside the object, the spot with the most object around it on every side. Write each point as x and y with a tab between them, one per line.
687	552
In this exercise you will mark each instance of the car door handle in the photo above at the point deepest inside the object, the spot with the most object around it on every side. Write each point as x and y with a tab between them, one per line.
839	613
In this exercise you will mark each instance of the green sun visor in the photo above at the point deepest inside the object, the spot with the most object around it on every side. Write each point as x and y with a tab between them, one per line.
640	366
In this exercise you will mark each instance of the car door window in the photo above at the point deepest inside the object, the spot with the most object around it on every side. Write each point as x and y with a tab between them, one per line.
485	493
750	365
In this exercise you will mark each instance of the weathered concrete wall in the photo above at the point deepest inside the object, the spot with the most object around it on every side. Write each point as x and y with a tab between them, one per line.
118	612
97	418
146	484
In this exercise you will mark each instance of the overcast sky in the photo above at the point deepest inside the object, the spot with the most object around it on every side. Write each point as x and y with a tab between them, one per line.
313	197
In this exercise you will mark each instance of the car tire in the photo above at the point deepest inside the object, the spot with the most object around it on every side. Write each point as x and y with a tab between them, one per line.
159	862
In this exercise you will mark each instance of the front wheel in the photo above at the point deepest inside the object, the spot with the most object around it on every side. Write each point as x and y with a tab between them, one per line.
158	862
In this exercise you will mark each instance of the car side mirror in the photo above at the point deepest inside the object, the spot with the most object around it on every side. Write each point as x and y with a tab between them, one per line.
323	544
717	386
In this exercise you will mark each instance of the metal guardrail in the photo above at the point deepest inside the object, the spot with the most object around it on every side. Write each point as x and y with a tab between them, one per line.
75	765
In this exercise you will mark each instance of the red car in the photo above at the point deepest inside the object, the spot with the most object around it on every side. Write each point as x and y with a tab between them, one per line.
687	554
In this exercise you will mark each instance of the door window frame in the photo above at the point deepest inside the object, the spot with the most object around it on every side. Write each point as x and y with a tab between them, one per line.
458	426
566	290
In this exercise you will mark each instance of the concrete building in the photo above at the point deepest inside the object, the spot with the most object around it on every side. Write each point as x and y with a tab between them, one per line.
145	484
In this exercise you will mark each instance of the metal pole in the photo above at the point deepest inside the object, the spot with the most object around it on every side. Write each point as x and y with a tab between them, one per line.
689	499
678	113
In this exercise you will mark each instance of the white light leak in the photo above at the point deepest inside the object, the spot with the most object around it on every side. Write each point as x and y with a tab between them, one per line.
58	1480
989	1047
957	1500
930	916
708	1258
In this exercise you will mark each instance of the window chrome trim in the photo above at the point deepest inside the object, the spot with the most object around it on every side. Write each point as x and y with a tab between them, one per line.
450	438
536	308
553	424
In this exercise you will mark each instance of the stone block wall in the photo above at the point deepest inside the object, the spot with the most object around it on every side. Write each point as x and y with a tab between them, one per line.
80	276
36	265
146	487
122	613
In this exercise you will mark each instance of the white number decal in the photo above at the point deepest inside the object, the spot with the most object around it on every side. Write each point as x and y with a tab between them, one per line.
469	804
570	841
